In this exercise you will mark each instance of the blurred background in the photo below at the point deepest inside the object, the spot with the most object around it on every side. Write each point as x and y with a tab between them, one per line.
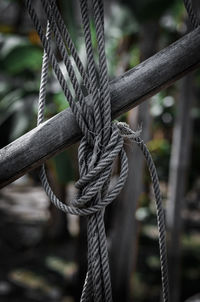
43	251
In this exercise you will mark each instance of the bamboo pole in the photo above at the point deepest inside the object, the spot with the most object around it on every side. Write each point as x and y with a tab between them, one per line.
127	91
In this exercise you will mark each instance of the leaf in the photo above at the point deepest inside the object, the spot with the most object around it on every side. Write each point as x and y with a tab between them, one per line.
64	167
60	101
22	58
10	104
66	269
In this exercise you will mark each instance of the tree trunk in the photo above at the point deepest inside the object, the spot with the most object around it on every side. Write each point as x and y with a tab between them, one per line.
179	162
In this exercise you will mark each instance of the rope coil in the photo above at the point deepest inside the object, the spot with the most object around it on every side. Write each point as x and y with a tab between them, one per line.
96	152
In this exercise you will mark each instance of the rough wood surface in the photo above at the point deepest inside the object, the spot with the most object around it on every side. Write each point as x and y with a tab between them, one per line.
127	91
178	178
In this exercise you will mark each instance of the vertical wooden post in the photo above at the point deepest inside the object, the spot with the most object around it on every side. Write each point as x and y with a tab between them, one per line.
179	162
124	241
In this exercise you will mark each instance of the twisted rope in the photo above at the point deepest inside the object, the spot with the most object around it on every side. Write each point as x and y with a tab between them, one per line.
52	59
43	82
70	44
192	16
101	144
97	251
128	133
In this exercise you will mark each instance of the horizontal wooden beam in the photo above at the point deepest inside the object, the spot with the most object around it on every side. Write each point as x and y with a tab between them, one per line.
127	91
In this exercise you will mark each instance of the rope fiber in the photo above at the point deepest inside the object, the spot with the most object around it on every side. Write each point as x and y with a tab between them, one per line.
192	16
101	144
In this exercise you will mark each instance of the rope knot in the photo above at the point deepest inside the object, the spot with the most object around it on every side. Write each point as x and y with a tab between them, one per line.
96	168
127	132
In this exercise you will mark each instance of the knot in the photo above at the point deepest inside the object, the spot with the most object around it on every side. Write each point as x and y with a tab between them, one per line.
96	168
127	132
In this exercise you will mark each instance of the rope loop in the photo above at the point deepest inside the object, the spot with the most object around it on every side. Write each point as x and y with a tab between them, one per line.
97	165
95	176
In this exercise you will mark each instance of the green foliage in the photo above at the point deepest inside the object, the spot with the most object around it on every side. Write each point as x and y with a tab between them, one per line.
19	62
21	59
134	56
177	11
9	104
60	101
160	146
63	167
93	35
64	268
69	17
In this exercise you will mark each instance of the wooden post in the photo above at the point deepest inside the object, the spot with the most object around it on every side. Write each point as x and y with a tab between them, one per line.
179	162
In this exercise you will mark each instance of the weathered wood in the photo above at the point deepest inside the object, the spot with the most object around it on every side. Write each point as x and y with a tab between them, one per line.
179	163
127	91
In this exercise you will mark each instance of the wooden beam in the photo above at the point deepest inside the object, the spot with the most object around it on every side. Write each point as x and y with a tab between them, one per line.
127	91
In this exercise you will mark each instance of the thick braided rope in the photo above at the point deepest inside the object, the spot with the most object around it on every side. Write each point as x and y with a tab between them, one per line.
77	89
51	57
103	73
192	16
91	65
43	82
70	44
63	51
97	251
95	179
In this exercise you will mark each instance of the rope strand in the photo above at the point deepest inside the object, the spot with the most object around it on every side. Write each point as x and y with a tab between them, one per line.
192	16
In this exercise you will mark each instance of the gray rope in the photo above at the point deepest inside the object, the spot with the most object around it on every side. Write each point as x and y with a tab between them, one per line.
128	133
91	65
70	44
74	107
97	254
192	16
63	51
43	82
101	144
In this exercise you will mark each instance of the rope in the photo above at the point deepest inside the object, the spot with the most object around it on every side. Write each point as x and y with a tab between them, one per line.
128	133
43	82
101	144
192	16
52	59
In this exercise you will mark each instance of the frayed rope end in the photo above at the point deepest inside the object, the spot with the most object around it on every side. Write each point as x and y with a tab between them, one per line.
127	132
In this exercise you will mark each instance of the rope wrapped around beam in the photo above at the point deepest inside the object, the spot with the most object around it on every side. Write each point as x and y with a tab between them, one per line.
102	142
96	157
